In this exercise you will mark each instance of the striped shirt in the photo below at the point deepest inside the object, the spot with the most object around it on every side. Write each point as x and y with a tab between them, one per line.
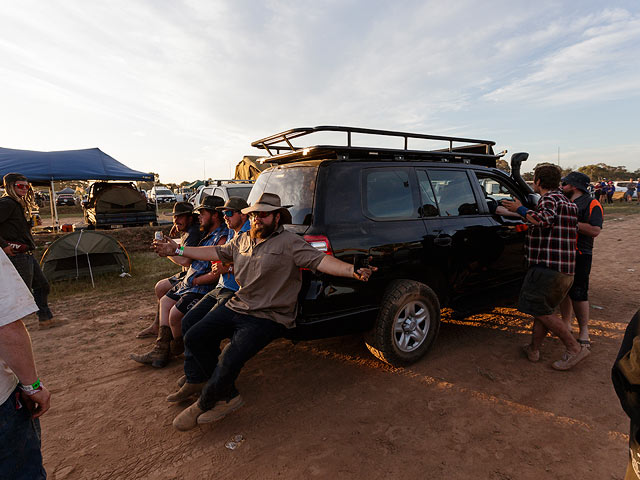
200	267
552	243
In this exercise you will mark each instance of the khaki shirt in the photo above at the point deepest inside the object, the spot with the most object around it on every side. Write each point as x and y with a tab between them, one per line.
269	273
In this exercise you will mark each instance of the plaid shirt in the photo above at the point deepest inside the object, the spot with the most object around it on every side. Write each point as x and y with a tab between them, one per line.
200	267
552	244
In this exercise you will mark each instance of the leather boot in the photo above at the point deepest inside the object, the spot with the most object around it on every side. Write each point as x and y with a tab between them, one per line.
177	346
186	392
158	357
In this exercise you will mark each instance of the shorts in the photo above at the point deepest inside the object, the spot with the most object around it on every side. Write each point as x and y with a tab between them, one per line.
175	279
186	301
542	290
580	288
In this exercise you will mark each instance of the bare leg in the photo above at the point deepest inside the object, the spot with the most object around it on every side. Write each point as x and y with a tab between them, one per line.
175	322
582	314
162	287
166	304
555	324
566	310
538	334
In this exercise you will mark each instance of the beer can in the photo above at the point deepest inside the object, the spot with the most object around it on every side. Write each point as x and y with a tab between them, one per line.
158	235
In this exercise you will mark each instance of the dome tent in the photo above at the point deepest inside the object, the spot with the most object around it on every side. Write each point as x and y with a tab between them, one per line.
84	253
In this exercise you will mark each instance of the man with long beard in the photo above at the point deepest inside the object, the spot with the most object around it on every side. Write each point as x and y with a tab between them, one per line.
266	263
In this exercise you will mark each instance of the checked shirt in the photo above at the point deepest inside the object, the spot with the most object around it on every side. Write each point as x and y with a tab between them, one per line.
552	244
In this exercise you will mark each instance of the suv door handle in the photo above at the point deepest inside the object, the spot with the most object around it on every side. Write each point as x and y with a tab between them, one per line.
443	240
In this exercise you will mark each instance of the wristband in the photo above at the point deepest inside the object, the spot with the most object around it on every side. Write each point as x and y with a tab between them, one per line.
35	387
179	251
522	211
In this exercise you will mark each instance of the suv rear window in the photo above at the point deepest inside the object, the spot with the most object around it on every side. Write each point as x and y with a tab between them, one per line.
295	185
242	192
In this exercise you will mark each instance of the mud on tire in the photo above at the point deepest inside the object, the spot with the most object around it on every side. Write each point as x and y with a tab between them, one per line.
407	324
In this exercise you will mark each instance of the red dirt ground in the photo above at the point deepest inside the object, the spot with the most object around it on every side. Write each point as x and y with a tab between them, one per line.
473	408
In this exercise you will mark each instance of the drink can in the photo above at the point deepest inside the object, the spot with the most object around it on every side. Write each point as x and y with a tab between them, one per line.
158	235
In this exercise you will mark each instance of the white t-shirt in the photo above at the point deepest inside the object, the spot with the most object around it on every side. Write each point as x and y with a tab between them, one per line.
16	302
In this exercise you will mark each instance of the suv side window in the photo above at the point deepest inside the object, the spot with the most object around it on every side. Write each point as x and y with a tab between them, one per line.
453	192
429	206
494	190
388	194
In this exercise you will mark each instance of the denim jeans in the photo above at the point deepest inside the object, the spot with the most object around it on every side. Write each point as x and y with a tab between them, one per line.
248	336
209	302
30	271
20	456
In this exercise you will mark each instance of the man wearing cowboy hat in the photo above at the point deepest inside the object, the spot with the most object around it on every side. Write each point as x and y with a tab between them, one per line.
197	282
237	222
590	217
266	262
185	222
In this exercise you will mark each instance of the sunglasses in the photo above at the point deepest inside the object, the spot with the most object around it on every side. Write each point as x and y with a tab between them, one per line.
229	213
260	214
21	185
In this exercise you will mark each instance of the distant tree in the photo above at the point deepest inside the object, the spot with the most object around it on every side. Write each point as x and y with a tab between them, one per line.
602	170
503	165
528	176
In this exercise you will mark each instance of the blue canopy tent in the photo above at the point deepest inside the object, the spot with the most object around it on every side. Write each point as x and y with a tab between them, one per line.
43	168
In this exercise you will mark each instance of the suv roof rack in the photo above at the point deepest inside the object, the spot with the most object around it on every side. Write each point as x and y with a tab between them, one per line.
466	150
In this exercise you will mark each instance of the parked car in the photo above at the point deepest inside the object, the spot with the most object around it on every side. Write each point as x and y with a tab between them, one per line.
111	204
223	189
65	199
161	195
425	219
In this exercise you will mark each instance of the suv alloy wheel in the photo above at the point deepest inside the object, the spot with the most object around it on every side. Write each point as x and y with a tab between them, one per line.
407	323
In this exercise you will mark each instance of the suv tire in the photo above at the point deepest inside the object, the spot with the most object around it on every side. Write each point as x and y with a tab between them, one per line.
407	324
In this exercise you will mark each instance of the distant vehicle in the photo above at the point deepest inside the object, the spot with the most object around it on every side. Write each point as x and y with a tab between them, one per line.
622	187
65	199
111	204
161	195
223	189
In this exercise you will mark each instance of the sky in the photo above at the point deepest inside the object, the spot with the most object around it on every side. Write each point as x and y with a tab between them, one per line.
182	88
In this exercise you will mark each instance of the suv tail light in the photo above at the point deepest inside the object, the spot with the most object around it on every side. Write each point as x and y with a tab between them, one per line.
320	242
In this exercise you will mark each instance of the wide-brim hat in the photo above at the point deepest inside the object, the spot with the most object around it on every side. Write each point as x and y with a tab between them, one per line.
180	208
234	203
578	180
270	202
210	202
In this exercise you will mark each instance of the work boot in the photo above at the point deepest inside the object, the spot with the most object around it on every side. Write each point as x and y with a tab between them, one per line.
159	356
182	380
177	346
186	392
221	409
188	418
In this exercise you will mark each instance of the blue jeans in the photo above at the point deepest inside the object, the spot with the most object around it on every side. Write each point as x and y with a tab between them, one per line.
210	301
20	456
248	336
31	273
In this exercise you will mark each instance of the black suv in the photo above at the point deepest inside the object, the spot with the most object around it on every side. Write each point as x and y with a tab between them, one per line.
425	218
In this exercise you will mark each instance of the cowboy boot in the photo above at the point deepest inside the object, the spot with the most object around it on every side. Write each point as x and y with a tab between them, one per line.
187	390
158	357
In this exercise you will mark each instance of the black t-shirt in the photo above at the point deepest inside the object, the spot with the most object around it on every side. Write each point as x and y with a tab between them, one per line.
14	227
589	211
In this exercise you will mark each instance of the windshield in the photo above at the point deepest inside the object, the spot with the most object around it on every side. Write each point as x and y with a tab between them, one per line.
163	192
294	184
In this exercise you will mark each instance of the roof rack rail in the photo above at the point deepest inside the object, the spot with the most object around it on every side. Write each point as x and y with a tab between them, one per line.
456	149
